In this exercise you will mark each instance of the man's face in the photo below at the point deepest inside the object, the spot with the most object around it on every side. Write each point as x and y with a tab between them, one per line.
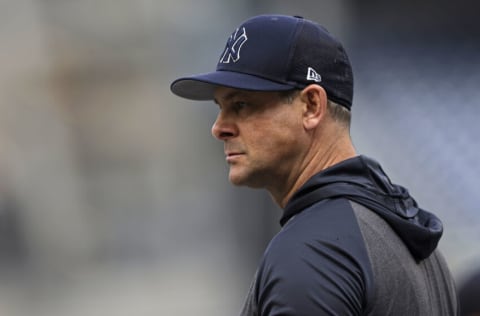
262	134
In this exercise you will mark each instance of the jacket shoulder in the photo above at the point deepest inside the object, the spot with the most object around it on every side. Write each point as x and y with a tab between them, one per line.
317	264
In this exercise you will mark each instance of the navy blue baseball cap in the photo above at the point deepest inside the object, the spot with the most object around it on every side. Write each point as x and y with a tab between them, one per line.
276	53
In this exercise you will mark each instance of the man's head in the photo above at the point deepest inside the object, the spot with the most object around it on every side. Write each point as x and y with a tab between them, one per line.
284	87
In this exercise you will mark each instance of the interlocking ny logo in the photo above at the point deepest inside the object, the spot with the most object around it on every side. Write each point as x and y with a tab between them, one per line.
234	44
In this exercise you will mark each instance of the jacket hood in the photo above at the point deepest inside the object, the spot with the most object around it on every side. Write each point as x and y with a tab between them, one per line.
362	180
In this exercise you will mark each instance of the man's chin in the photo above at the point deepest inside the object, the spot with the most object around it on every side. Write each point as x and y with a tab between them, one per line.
244	181
236	181
237	178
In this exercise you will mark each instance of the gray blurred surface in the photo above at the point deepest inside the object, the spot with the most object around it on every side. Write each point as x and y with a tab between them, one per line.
114	197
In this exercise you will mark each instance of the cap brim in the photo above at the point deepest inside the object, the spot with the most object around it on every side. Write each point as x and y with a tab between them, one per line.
201	87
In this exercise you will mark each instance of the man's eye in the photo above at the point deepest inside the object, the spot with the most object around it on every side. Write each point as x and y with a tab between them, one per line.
239	105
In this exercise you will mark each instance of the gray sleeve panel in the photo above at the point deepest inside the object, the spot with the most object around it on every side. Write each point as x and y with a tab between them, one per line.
402	285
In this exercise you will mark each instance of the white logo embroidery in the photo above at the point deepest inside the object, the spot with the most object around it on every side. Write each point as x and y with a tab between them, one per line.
234	44
313	75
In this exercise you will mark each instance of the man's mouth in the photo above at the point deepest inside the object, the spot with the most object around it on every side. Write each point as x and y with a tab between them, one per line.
231	156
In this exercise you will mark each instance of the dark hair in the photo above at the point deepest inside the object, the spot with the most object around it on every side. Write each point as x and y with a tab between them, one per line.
338	112
289	95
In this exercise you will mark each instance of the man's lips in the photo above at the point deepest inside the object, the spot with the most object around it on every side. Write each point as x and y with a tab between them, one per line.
230	156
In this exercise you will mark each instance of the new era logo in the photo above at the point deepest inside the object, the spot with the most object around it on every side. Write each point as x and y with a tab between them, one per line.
234	44
313	75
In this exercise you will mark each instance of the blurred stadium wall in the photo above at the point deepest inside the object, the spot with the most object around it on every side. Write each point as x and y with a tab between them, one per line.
114	197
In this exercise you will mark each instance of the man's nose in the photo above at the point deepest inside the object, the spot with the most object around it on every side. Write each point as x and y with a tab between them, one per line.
223	128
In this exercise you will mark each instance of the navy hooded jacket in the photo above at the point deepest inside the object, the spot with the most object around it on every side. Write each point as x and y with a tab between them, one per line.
353	243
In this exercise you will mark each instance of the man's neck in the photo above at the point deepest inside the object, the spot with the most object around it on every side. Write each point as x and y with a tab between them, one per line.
318	160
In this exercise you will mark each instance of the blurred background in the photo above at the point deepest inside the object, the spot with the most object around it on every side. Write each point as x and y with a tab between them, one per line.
114	197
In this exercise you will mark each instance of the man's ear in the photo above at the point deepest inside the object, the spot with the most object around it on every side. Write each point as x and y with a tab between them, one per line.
314	98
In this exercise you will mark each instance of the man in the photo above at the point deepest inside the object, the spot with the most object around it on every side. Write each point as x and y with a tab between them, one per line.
468	293
352	243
